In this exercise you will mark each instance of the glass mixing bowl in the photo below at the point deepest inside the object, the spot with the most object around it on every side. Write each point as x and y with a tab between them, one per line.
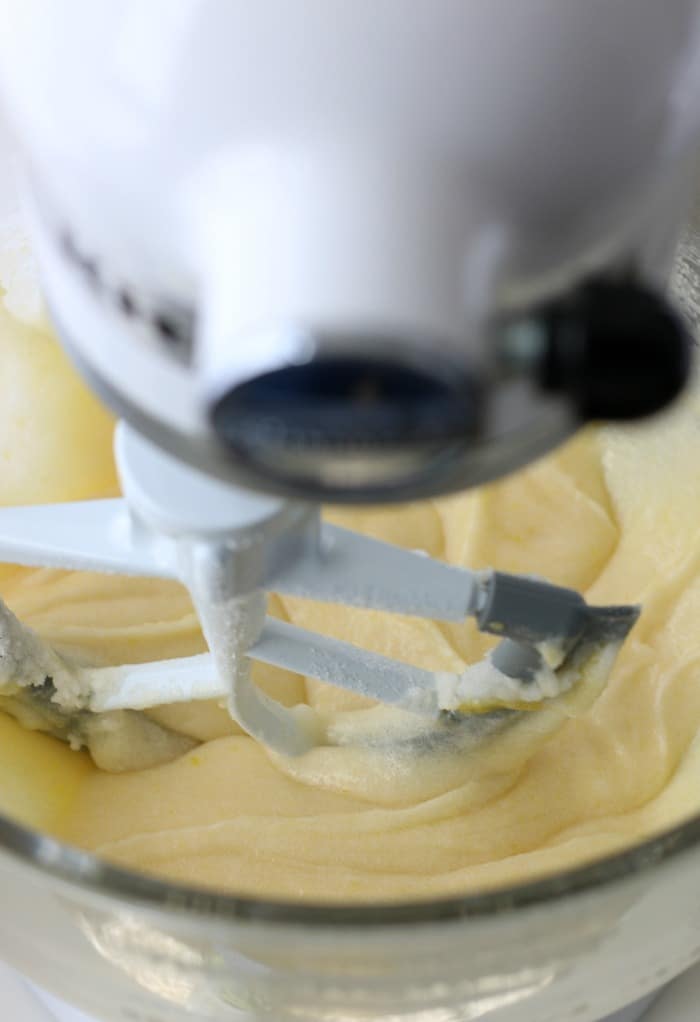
129	948
576	946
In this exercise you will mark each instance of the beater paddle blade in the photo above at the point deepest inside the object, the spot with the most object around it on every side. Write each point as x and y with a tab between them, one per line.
229	548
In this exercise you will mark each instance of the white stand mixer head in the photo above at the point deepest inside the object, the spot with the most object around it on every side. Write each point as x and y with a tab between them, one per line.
342	202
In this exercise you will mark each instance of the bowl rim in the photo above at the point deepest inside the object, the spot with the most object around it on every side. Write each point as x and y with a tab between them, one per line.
64	862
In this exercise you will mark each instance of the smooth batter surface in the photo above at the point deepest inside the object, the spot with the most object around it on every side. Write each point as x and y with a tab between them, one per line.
615	514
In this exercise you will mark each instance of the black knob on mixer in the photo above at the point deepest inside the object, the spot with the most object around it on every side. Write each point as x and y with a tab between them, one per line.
616	348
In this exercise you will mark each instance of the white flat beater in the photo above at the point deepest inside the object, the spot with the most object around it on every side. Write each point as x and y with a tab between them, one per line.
228	548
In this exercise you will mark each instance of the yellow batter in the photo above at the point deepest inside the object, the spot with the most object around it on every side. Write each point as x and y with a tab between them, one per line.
615	514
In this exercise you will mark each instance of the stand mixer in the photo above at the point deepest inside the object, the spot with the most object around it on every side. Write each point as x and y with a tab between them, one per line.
334	252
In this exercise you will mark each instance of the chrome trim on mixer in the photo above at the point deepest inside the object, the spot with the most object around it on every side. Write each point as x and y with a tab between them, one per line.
454	467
